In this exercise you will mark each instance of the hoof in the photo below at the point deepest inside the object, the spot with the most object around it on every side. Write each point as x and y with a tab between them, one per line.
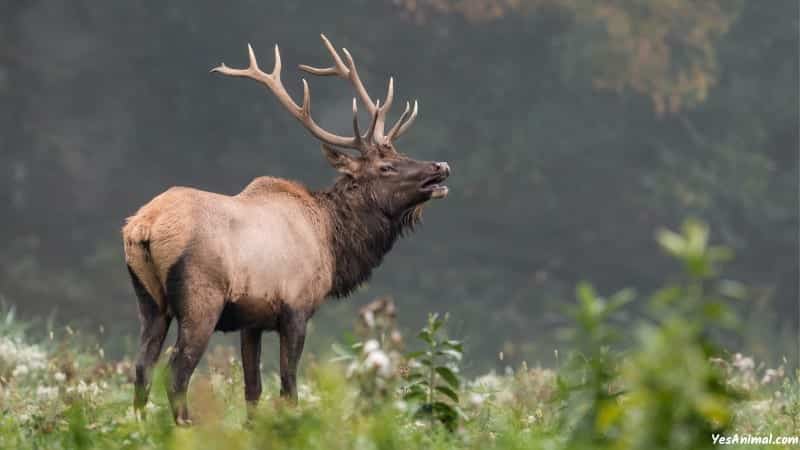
183	422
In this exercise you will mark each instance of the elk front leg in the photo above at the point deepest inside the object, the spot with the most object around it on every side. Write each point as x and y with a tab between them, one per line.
292	335
251	358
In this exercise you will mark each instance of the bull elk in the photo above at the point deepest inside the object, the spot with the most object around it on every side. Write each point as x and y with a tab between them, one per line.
266	258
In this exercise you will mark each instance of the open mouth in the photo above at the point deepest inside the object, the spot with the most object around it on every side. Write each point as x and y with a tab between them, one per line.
434	186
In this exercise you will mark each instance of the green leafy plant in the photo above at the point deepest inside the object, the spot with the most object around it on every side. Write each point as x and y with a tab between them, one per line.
655	386
589	381
677	397
434	381
790	395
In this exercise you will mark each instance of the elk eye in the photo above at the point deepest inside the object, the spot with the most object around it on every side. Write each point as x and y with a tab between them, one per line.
387	169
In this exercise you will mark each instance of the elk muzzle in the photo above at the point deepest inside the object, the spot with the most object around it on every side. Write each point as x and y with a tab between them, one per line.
432	184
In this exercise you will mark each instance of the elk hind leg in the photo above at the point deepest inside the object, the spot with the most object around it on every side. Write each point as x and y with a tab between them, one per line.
154	327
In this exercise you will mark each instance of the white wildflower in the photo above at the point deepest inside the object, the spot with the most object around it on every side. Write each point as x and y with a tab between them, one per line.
369	319
46	392
87	389
14	353
379	361
489	382
371	346
476	399
59	376
530	419
771	375
20	370
351	369
743	363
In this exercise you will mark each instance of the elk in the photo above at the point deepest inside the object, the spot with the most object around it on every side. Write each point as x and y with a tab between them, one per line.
266	258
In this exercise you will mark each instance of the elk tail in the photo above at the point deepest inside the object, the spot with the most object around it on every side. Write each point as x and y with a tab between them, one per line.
136	237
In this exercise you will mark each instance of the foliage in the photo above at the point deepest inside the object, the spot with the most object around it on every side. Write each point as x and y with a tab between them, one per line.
518	410
590	385
663	49
433	378
665	387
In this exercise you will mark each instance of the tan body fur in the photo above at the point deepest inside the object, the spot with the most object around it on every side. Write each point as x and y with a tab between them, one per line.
267	246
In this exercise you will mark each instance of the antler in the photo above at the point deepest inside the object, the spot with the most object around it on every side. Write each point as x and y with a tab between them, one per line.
349	72
302	113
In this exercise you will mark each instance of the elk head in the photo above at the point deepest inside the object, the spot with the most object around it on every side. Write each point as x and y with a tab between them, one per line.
377	174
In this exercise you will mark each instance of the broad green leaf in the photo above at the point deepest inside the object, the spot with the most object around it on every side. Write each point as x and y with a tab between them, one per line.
415	355
732	289
621	298
672	242
448	376
414	396
585	292
451	353
455	345
448	392
426	336
445	413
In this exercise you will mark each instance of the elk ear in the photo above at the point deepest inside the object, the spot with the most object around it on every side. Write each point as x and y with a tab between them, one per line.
340	160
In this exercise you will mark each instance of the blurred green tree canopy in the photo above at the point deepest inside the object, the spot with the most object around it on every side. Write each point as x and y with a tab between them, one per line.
663	49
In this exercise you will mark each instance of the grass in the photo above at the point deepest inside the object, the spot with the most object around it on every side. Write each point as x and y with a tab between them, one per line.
65	394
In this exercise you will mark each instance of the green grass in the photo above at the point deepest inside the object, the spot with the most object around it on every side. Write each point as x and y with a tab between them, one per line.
69	396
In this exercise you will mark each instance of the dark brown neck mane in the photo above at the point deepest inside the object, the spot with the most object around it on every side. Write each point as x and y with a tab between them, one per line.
362	233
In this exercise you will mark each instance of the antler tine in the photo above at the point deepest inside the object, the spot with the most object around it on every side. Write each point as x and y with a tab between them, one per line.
358	84
276	69
370	136
301	113
399	129
381	120
347	71
392	135
356	128
338	67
